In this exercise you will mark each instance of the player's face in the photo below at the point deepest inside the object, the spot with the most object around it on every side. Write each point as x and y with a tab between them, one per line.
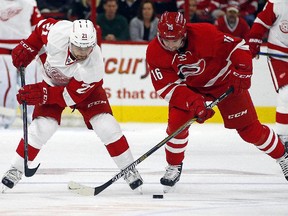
80	53
172	45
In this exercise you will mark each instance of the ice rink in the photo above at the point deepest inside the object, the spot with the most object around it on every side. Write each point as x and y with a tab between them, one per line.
222	175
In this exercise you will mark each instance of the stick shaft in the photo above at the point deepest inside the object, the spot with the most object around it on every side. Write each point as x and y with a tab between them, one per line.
27	171
102	187
273	55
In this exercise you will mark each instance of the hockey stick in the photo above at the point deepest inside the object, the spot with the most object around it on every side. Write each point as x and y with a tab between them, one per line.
273	55
28	172
93	191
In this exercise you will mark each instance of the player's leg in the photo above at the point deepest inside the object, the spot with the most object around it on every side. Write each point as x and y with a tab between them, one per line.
46	119
98	116
279	74
238	113
175	148
8	86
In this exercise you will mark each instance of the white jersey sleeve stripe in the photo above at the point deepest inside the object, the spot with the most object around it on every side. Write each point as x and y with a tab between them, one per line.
67	98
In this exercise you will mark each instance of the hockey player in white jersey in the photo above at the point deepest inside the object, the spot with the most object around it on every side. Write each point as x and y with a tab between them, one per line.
17	20
73	70
274	18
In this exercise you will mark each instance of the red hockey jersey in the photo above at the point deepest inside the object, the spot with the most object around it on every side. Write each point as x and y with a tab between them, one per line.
212	62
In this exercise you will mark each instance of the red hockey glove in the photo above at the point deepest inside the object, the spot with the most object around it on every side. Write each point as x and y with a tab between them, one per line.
240	80
33	94
254	46
23	54
200	111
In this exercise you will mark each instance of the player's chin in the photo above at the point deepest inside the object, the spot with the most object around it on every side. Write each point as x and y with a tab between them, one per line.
171	49
81	58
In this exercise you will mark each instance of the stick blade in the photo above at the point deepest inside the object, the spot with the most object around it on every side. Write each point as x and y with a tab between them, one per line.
30	172
80	189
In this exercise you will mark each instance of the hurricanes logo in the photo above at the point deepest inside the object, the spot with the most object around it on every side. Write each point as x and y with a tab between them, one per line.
284	26
194	69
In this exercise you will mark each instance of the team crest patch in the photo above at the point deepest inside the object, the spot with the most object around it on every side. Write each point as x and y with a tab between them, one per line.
8	13
284	26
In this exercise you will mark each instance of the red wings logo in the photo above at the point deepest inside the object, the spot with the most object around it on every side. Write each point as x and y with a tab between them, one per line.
55	75
284	26
8	13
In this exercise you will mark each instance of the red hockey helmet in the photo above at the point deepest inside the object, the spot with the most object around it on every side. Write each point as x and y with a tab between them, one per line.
172	26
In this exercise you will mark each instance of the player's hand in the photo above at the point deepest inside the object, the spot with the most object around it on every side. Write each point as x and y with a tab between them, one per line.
254	46
23	54
200	111
240	80
33	94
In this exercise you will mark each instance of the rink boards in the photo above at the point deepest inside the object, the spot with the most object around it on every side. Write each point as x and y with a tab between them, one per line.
133	99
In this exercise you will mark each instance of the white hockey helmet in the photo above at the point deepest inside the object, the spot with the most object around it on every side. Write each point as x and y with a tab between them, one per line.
83	34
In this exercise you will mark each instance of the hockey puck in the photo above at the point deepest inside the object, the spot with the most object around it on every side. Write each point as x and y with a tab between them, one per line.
158	196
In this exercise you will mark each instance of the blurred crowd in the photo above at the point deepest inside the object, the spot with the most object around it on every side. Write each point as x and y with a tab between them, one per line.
136	20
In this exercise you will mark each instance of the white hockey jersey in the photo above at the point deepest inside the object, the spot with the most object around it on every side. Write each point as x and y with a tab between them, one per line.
275	18
17	19
59	69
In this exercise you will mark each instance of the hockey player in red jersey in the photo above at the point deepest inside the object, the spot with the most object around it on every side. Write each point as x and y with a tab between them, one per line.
274	18
193	63
73	70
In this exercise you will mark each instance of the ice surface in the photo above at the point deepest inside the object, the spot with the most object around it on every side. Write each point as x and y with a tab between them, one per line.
222	175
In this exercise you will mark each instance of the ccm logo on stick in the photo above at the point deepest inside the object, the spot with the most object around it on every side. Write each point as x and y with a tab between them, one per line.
237	115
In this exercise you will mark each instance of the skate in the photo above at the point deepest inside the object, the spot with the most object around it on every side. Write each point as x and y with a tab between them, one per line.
284	140
11	178
171	177
134	179
283	161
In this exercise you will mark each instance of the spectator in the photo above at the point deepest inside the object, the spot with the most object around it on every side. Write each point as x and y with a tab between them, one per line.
80	9
248	10
231	23
216	8
128	8
18	19
54	8
196	17
164	5
144	26
202	10
114	26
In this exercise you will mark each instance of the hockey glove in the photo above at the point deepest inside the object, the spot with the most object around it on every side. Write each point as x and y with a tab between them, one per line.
240	80
254	46
200	111
33	94
23	54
